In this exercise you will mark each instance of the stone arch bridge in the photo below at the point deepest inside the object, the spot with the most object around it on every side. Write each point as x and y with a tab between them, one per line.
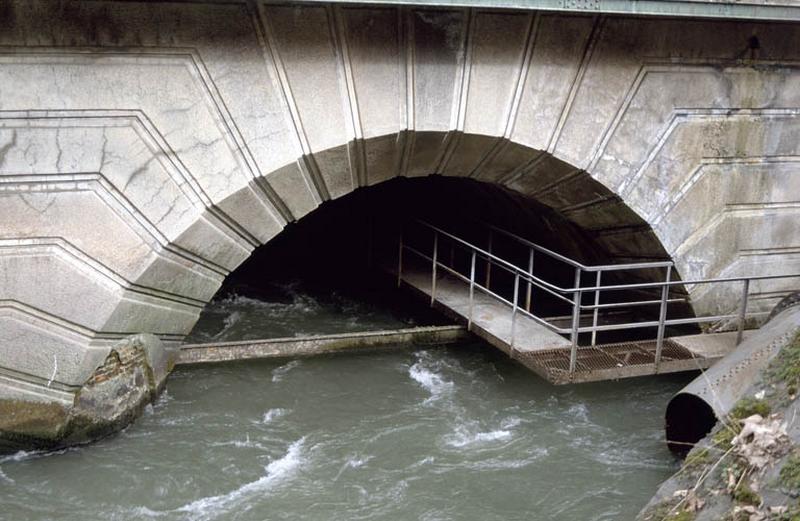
146	149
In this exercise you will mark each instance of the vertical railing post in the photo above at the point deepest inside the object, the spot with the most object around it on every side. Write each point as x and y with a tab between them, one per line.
489	259
576	319
433	269
471	290
400	260
530	281
662	318
514	312
596	313
743	311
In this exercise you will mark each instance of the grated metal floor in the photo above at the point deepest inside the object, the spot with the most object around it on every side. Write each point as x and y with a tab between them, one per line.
611	361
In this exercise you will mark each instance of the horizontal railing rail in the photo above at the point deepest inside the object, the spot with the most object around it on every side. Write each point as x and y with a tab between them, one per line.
574	263
574	295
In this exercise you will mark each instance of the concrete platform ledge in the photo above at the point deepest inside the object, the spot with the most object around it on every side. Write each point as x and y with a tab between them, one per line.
318	345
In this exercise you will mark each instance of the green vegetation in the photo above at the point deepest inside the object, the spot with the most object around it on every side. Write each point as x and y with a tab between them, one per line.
723	438
664	512
793	515
790	473
746	495
744	408
786	366
780	382
747	407
698	457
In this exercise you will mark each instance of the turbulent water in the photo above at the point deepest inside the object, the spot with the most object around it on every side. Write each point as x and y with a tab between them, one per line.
293	310
457	432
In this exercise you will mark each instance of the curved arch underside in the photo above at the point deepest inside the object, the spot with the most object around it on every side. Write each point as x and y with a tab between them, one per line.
147	148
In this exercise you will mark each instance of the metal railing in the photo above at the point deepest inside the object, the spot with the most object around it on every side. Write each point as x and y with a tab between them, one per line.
572	296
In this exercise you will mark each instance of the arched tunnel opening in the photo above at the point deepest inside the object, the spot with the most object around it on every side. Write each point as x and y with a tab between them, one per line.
340	261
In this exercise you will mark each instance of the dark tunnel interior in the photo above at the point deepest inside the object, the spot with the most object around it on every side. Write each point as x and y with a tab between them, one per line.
350	245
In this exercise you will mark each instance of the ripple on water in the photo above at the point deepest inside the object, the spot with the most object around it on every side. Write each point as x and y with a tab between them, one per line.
276	473
435	434
274	414
279	372
4	476
473	433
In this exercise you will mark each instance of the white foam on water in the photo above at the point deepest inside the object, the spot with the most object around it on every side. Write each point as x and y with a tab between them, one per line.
24	455
242	444
4	476
279	372
274	414
511	422
276	472
471	433
358	462
141	513
301	302
578	411
464	438
427	460
534	455
228	322
240	301
353	462
433	382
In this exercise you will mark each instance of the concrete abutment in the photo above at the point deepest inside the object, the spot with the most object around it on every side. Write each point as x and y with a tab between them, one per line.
147	148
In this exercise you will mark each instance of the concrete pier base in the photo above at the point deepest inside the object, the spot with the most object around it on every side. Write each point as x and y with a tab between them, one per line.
131	377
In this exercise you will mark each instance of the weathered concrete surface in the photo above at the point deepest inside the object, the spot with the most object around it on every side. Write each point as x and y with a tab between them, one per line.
147	147
779	10
132	375
710	345
318	344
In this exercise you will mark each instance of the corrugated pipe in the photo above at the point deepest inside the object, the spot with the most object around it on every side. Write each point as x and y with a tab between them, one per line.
693	412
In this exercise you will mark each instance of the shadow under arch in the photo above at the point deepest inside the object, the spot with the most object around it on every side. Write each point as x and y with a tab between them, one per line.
529	183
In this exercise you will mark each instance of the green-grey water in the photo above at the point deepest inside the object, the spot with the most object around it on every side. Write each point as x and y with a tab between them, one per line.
457	432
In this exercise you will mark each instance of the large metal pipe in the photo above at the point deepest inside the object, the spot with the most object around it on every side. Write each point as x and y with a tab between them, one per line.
693	412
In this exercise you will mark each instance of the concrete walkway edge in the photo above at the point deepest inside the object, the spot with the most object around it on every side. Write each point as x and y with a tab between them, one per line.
318	345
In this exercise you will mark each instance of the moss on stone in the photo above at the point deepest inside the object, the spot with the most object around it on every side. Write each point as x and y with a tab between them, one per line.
113	396
36	419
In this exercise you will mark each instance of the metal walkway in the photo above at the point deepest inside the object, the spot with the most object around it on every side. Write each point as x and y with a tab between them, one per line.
498	300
